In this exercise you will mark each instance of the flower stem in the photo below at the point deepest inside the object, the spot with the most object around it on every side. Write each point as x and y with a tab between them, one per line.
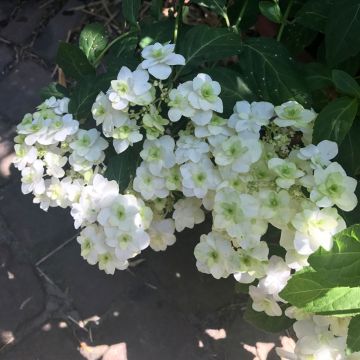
284	20
241	15
178	21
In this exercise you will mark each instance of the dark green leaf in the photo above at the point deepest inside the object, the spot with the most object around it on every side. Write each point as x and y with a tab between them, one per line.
344	256
233	88
250	15
160	31
203	43
53	89
345	83
314	14
130	10
268	323
296	37
342	31
335	120
270	72
156	8
93	41
271	10
84	95
349	150
73	61
122	167
218	6
353	338
317	76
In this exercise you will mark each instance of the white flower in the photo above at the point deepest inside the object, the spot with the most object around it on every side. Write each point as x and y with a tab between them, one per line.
293	114
172	178
188	147
213	255
33	126
262	301
59	129
216	126
187	213
316	228
54	164
105	114
198	178
130	87
109	262
80	164
59	106
25	155
57	192
149	185
179	104
89	144
286	172
126	244
32	178
159	154
251	117
158	59
204	98
239	151
162	234
126	135
320	154
333	187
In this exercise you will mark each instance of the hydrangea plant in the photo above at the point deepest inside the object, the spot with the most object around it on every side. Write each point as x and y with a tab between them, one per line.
166	136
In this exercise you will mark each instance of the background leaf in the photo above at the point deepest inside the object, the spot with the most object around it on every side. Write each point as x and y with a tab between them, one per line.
53	89
218	6
159	31
270	73
342	31
345	83
271	11
353	338
130	10
93	41
73	61
335	120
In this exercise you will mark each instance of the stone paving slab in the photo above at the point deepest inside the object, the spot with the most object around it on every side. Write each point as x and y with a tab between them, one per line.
7	55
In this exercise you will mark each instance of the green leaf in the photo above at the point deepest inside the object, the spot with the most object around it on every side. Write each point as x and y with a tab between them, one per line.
233	88
202	43
353	338
317	76
271	10
268	323
342	31
122	167
130	9
270	72
73	61
218	6
323	292
296	37
314	14
160	31
84	95
349	150
93	41
345	83
335	120
344	257
156	7
53	89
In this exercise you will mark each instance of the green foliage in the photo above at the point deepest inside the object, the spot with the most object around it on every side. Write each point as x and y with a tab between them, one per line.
345	83
218	6
122	167
335	120
353	339
271	10
270	72
130	10
268	323
53	89
159	31
93	41
73	61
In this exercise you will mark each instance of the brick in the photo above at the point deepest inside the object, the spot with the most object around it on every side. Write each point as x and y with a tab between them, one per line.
19	91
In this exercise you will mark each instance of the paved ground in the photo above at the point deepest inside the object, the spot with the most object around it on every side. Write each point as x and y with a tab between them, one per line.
53	305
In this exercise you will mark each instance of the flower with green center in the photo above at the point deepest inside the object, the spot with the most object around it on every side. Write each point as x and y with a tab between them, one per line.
109	262
126	135
334	187
286	172
179	104
294	115
187	213
154	123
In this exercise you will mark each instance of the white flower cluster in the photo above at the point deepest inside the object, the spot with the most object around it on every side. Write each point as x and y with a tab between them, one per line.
256	172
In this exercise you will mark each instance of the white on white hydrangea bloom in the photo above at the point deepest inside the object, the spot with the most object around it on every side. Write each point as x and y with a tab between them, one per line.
320	154
59	106
334	187
126	135
32	178
159	154
216	126
130	87
24	155
187	213
55	164
262	301
239	151
294	115
106	115
251	117
204	97
179	104
89	144
199	178
286	172
214	255
161	233
159	59
189	148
